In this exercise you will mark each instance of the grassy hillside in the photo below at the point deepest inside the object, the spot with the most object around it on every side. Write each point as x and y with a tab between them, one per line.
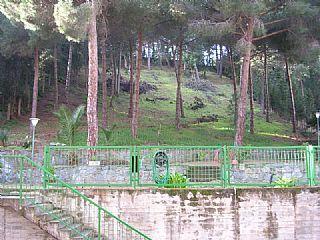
157	117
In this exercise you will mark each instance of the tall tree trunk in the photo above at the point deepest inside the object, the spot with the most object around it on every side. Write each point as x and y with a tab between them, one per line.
49	81
242	104
92	115
251	101
135	112
104	83
234	83
262	100
19	106
196	71
119	71
55	75
303	97
125	61
293	105
113	79
9	111
217	59
35	83
176	69
221	62
266	86
182	108
178	95
28	94
68	75
160	54
149	57
131	77
43	80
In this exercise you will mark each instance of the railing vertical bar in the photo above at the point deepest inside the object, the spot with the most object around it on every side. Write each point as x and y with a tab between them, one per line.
99	223
21	182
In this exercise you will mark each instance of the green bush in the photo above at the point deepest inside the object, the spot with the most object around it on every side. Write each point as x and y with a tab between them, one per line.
285	182
177	180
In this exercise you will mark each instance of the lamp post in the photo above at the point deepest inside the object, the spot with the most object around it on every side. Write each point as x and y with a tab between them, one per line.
318	133
34	122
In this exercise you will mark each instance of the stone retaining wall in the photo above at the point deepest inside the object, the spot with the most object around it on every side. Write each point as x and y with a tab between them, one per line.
203	214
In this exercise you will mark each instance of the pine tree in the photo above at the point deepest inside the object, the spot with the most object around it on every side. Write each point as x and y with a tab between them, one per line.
248	23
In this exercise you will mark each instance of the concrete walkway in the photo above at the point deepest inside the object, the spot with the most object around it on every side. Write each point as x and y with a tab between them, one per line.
15	227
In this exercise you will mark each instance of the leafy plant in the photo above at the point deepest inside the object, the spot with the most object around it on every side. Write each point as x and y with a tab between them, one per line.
108	132
177	180
3	136
51	170
69	123
285	182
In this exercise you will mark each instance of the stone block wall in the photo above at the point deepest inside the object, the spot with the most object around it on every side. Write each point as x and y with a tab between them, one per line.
200	214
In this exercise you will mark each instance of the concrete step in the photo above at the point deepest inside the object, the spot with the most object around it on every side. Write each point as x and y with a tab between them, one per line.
56	221
63	220
85	234
67	226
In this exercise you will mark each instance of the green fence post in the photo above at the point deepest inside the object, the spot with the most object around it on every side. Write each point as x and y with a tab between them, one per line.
46	158
310	165
136	167
21	182
99	223
133	166
225	167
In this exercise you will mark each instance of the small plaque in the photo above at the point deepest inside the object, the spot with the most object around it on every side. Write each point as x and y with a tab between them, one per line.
94	163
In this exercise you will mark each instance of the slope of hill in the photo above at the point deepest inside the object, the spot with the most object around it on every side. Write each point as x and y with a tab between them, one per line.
209	99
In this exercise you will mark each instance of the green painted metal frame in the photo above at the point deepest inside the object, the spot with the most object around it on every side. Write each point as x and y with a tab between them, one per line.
139	183
316	159
311	165
132	177
47	175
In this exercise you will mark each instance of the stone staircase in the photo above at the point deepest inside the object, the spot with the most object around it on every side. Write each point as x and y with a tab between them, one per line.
56	221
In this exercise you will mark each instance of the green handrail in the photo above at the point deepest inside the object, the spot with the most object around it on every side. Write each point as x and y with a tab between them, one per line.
76	192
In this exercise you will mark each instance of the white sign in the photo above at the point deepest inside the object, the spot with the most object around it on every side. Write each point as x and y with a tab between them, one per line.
94	163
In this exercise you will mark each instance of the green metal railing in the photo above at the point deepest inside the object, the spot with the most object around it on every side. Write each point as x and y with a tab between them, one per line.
182	166
60	201
159	165
263	166
70	161
316	158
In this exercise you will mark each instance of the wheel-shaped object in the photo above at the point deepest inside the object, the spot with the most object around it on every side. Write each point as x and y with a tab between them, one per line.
160	168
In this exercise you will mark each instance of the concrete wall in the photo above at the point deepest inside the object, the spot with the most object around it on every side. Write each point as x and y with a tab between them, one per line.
203	214
217	213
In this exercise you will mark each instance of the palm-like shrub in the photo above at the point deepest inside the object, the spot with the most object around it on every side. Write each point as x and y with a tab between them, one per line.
3	136
69	123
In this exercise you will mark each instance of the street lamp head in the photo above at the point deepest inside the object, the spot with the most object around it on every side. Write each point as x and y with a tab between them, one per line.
317	115
34	121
